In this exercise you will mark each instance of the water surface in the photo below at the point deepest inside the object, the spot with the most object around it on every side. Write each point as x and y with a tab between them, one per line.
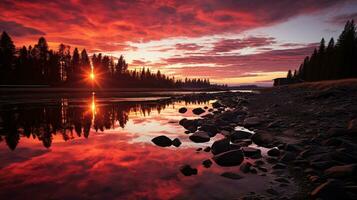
94	147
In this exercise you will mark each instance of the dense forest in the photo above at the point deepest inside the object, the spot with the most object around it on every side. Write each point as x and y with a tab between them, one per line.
39	65
334	61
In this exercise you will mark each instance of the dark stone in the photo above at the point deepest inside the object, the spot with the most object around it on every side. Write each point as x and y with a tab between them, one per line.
187	170
231	175
182	110
220	146
229	158
207	163
190	125
210	129
200	137
198	111
162	141
293	148
176	142
263	139
251	152
216	105
341	171
238	135
281	180
251	121
274	152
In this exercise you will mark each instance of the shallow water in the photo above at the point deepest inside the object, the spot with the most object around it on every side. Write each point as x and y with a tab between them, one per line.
100	148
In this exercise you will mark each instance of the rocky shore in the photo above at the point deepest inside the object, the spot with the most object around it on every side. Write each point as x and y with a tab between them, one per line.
309	135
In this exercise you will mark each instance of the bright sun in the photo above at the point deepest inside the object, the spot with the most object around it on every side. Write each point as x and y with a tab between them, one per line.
92	76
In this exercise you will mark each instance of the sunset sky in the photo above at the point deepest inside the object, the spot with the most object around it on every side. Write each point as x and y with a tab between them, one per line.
229	41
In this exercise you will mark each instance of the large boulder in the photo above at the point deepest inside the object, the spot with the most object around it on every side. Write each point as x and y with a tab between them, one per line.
239	135
210	129
220	146
198	111
264	139
273	152
190	125
251	152
329	190
229	158
162	141
200	137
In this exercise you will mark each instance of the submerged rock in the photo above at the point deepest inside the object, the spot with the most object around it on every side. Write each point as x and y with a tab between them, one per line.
198	111
239	135
176	142
220	146
200	137
187	170
229	158
162	141
207	163
245	167
182	110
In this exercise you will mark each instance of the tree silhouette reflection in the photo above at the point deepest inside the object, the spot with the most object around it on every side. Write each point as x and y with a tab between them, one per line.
72	119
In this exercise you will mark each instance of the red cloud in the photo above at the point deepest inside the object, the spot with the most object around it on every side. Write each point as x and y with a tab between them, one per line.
109	22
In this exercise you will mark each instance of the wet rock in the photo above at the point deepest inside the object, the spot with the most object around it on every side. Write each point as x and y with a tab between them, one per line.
207	163
274	152
206	107
239	135
176	142
200	137
263	139
187	170
220	146
231	175
253	170
210	129
293	148
245	167
198	111
342	171
182	110
199	149
271	160
251	121
162	141
229	158
322	165
190	125
251	152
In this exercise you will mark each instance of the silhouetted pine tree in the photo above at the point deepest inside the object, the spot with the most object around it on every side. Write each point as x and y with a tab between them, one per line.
7	58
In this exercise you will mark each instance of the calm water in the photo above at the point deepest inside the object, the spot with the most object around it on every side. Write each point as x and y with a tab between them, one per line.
100	148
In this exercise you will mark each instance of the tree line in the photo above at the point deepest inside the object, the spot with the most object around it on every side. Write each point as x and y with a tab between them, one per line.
334	61
39	65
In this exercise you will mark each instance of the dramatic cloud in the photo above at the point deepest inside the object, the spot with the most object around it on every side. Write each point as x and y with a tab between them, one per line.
180	37
236	44
18	30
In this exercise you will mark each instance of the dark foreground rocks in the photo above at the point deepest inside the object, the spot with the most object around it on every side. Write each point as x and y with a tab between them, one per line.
162	141
310	133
